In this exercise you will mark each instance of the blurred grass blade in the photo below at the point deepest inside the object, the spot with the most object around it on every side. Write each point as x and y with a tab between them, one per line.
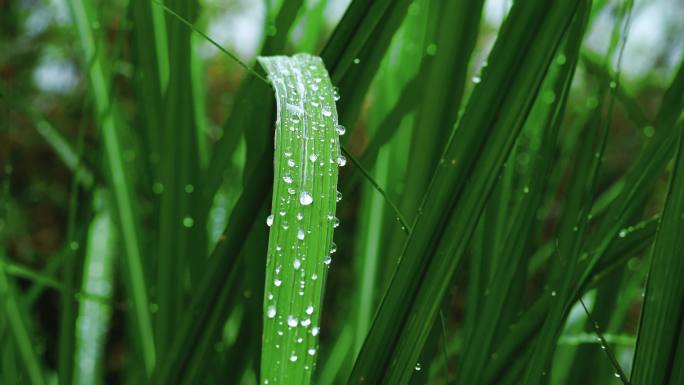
95	62
15	324
303	216
92	323
658	336
479	146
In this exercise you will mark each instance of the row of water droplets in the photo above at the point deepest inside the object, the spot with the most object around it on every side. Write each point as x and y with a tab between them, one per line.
307	146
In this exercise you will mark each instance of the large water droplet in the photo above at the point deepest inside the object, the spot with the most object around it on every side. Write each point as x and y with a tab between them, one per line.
315	331
305	198
287	179
300	234
340	129
341	161
418	367
271	312
277	282
311	351
293	357
291	321
269	220
476	79
297	263
326	110
309	310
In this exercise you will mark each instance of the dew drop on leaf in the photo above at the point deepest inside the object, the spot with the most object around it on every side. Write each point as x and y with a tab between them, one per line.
305	198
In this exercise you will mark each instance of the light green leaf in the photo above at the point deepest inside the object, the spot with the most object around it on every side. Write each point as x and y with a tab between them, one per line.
302	219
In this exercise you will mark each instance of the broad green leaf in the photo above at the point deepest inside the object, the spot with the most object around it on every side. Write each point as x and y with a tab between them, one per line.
302	216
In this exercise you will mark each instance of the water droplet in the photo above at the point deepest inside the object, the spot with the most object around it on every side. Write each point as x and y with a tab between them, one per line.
305	198
269	220
418	367
271	312
291	321
314	86
291	162
623	233
553	293
326	111
287	179
189	188
314	276
336	93
277	282
616	375
300	216
526	190
357	60
476	79
309	310
306	322
336	222
333	247
188	222
340	129
300	234
313	157
338	196
157	188
311	351
341	161
315	331
327	259
293	357
297	263
613	84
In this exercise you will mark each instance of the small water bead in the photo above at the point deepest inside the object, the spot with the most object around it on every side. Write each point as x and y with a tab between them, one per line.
282	213
293	357
326	111
340	129
341	161
311	351
305	322
270	296
338	196
336	222
300	216
287	179
315	331
271	312
314	87
300	340
292	321
476	79
357	60
297	264
333	247
300	234
313	157
277	282
188	222
623	233
269	220
418	367
336	93
526	190
291	191
314	276
291	162
189	188
309	310
327	259
305	198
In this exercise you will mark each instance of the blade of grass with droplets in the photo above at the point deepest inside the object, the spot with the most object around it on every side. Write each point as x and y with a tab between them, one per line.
302	216
119	182
92	323
476	350
492	119
658	337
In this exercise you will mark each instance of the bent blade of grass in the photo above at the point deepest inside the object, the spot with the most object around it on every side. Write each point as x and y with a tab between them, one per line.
657	338
303	216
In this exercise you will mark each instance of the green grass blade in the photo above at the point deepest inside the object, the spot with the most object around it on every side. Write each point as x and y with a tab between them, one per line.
17	328
92	323
493	117
303	216
658	332
98	76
